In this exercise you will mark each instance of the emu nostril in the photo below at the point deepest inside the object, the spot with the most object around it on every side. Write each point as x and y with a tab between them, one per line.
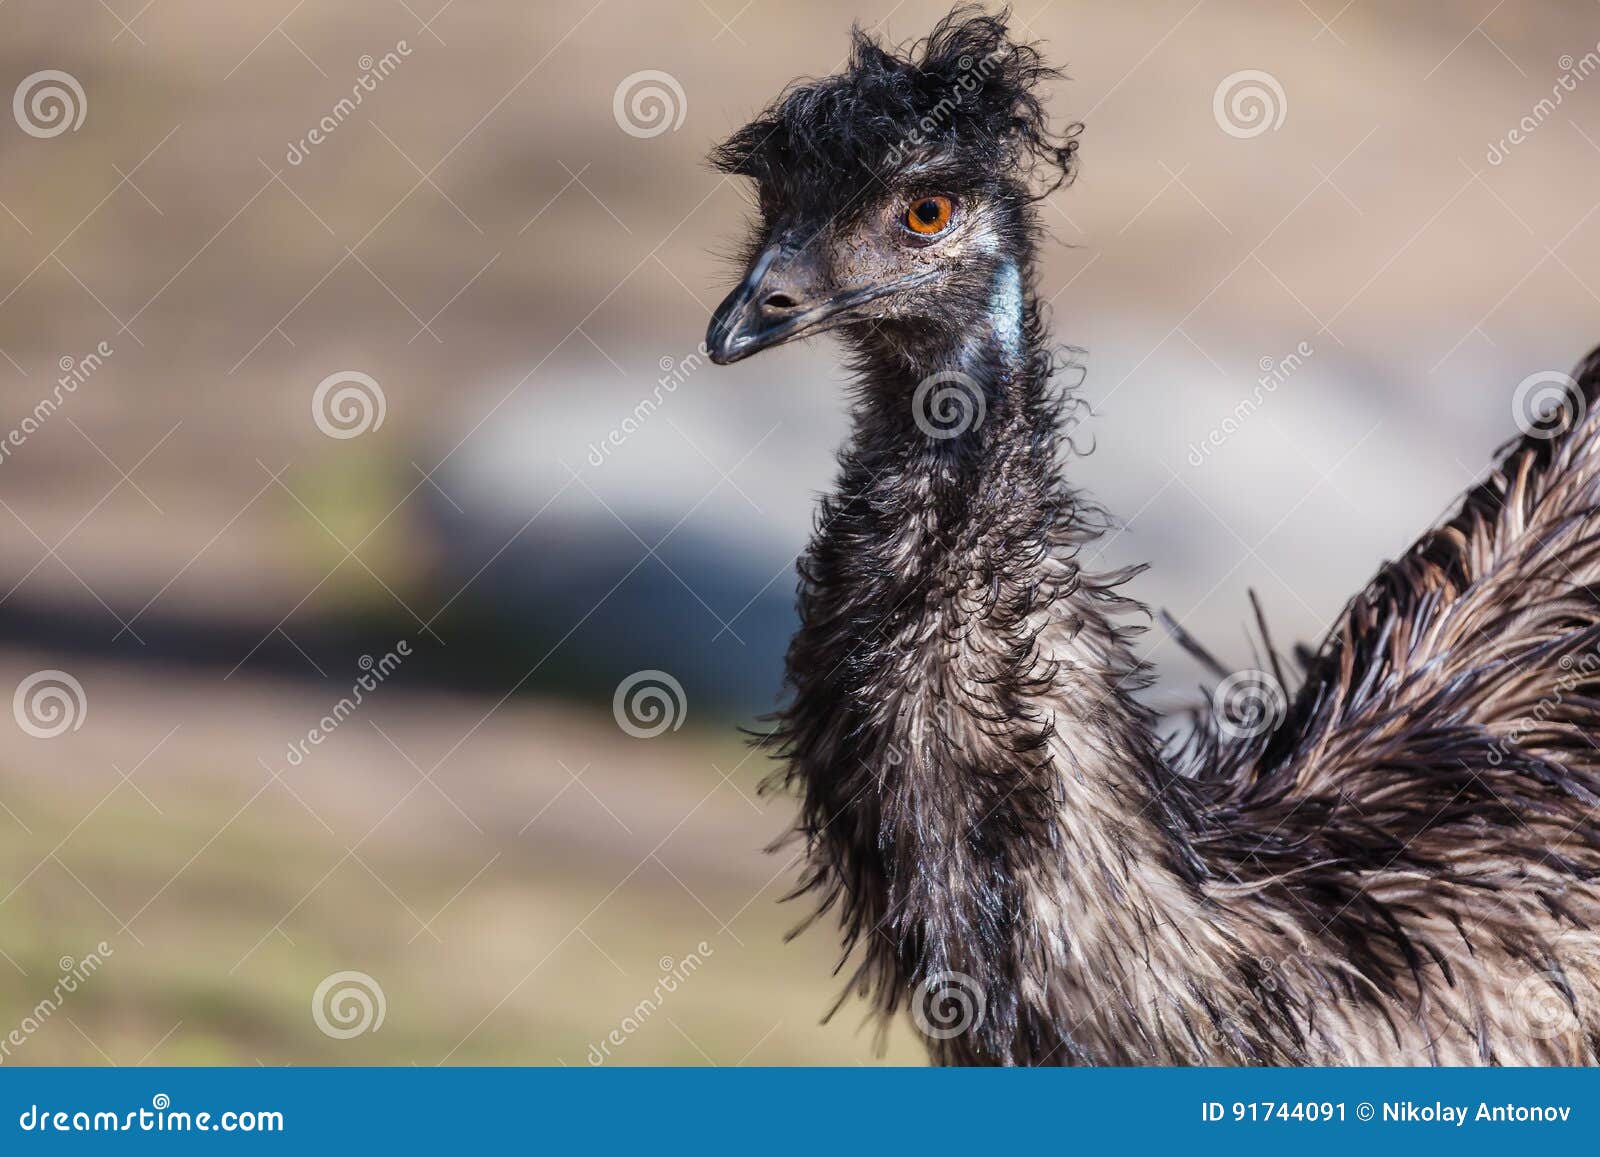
778	301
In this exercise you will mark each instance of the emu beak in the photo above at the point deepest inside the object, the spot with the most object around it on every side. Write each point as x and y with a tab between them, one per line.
780	299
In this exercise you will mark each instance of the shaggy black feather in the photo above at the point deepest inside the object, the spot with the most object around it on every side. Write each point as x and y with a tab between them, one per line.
967	93
1404	870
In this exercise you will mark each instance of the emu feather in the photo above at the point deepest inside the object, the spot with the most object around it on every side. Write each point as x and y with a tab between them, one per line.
1402	871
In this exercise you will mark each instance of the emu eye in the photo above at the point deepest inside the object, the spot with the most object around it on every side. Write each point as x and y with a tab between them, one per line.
929	216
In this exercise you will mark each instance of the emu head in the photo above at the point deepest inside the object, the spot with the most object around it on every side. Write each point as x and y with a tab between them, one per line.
896	197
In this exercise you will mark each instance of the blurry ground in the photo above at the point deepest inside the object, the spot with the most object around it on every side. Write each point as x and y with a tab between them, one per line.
518	272
509	911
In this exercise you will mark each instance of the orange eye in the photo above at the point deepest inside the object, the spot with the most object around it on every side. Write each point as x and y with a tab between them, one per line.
927	216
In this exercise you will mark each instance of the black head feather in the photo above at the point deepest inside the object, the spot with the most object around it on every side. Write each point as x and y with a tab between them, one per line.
963	102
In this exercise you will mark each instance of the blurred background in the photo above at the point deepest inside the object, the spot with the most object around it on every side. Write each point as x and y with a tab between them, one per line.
348	351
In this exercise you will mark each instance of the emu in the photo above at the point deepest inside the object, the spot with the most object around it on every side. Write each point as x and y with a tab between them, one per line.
1397	865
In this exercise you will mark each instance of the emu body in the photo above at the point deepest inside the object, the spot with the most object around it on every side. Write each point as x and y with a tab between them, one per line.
1402	871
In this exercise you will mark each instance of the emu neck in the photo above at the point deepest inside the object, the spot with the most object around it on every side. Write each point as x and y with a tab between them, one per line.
979	783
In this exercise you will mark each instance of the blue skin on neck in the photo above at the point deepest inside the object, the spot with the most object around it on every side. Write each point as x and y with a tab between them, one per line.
1002	349
999	358
1005	312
